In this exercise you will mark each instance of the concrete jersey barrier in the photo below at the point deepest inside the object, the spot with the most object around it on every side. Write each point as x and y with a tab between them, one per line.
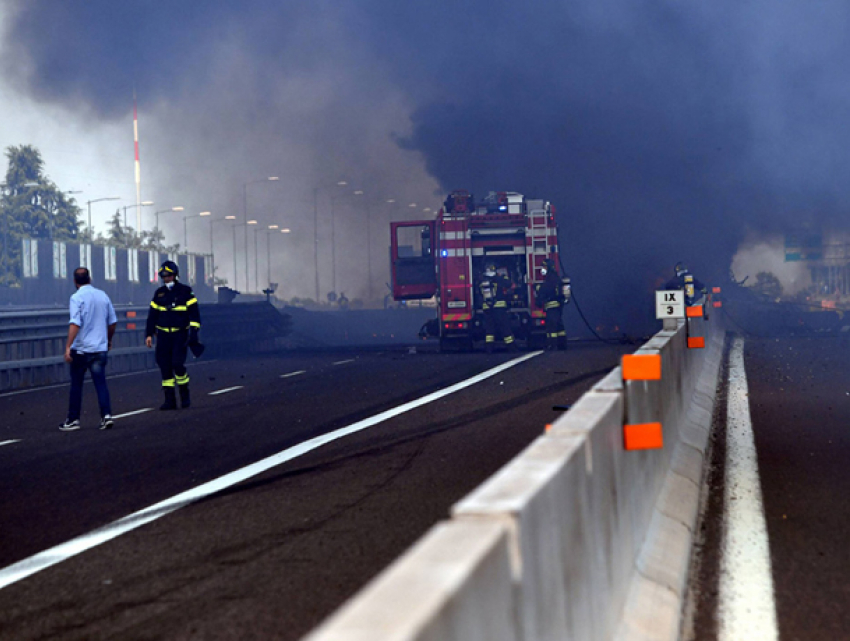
598	538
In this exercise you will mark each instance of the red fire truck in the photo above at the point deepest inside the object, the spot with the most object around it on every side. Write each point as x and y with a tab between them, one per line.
446	257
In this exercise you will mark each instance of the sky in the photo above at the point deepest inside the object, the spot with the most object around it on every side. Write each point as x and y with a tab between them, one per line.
662	131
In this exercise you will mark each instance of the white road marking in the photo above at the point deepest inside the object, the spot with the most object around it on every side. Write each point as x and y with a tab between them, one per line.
303	371
141	411
747	608
88	381
350	360
29	566
225	390
10	442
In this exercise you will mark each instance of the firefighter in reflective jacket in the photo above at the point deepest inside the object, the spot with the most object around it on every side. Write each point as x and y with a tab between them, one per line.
551	295
495	290
694	288
175	319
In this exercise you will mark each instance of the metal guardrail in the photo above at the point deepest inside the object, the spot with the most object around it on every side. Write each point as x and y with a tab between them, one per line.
32	343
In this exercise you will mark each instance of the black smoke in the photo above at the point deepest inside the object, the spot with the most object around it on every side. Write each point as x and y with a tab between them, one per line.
662	131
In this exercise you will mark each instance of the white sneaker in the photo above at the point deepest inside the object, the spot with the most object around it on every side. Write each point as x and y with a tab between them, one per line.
106	422
69	425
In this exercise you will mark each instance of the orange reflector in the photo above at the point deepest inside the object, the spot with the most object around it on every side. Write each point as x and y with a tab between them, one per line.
641	367
548	427
694	311
715	290
696	342
131	314
643	436
131	326
718	303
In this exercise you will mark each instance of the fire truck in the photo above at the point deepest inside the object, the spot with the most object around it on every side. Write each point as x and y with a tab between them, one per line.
445	259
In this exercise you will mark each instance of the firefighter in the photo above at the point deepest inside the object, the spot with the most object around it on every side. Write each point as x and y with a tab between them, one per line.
495	291
175	319
551	296
694	289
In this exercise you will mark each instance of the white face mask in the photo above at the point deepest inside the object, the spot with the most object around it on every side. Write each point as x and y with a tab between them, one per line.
170	285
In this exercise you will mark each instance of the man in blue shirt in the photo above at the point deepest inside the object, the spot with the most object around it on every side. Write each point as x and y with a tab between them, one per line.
90	334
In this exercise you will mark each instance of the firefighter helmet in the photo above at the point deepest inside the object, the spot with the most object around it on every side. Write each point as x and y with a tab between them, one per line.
680	269
490	270
169	267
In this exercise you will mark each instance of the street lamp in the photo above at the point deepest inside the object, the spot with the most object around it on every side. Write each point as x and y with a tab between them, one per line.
340	183
97	200
146	203
268	232
245	213
360	192
212	250
185	235
245	225
163	211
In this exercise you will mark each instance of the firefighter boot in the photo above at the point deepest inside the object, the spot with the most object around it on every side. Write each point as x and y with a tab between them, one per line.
551	343
170	399
562	343
185	401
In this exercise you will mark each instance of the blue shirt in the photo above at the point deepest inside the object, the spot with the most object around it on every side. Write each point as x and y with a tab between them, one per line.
93	313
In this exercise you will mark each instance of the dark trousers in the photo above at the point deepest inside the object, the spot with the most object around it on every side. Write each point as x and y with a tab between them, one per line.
555	327
171	355
497	320
96	364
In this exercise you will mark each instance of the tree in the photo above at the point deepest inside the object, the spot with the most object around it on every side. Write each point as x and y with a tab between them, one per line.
32	206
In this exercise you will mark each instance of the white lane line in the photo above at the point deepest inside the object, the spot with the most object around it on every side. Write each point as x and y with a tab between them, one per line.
350	360
141	411
88	381
59	553
747	608
303	371
10	442
225	390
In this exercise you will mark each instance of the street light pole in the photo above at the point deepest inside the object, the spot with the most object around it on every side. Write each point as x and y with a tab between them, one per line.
340	183
163	211
316	237
147	203
268	232
185	232
256	261
333	245
97	200
245	225
212	250
245	213
359	192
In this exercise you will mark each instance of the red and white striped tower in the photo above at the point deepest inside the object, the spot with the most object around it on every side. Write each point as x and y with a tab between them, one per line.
138	166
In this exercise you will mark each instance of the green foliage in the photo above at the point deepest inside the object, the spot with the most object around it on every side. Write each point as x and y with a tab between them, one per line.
125	236
31	206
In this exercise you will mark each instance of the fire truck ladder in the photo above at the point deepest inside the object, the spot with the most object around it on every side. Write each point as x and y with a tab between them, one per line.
539	237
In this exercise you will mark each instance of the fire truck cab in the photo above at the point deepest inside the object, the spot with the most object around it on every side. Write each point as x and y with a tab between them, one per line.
445	258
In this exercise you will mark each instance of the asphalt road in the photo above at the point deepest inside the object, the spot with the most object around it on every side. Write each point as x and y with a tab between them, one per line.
270	557
799	393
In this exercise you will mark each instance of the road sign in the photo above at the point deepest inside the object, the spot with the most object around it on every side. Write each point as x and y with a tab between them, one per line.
670	304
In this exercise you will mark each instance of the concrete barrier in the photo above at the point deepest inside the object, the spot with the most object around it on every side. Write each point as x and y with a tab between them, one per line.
599	537
453	585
